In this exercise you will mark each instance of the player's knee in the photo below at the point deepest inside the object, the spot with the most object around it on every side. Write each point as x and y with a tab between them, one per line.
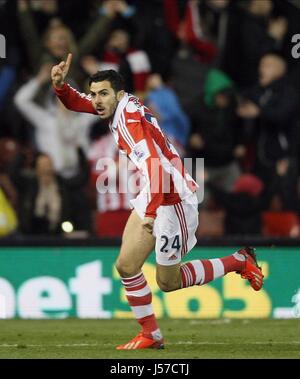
125	269
167	286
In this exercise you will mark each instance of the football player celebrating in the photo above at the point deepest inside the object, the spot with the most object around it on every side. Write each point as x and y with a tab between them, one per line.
165	213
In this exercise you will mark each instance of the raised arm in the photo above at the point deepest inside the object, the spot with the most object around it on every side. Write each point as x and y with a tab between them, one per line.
72	99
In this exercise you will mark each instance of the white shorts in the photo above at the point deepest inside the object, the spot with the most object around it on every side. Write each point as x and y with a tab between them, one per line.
174	228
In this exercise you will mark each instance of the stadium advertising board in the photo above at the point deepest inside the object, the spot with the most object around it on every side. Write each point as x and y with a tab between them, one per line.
82	282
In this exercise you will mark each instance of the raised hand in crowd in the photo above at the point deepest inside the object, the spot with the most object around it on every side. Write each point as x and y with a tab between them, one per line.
43	75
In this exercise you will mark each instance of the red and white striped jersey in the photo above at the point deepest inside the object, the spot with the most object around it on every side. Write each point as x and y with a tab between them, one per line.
137	134
119	198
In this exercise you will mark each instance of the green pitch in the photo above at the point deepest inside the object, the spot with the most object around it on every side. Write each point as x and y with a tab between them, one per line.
73	338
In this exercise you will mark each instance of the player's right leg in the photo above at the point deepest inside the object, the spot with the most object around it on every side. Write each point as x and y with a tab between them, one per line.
175	236
137	244
201	271
251	271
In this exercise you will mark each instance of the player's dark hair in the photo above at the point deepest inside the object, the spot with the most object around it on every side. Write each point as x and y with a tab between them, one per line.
115	79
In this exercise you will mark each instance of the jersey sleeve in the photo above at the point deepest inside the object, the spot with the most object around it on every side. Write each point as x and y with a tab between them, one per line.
138	144
74	100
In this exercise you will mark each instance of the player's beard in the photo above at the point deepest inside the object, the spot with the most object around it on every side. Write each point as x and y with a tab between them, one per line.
113	111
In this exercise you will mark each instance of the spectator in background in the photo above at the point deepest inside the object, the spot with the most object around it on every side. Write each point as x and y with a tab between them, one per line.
64	137
215	16
8	193
166	25
221	19
216	136
154	34
191	28
164	104
187	76
272	105
260	32
119	55
46	199
7	76
282	189
74	13
291	11
57	131
9	67
194	56
10	59
8	217
243	205
58	38
9	149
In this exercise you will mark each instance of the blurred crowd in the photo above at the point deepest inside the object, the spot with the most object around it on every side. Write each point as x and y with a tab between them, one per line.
218	75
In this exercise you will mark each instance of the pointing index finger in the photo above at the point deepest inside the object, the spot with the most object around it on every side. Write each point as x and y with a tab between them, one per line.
69	60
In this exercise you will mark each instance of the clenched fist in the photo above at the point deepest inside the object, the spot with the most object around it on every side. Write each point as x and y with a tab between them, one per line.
60	71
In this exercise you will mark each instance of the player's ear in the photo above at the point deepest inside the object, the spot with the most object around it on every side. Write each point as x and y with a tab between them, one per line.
120	94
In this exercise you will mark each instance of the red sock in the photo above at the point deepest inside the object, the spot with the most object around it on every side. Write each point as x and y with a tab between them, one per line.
205	270
139	297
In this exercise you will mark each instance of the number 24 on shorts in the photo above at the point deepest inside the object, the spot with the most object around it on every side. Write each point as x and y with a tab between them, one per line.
167	243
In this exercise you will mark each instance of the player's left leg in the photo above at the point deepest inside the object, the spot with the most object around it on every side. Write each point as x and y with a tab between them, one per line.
137	244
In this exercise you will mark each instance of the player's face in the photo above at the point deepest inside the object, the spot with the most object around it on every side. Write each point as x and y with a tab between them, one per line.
104	99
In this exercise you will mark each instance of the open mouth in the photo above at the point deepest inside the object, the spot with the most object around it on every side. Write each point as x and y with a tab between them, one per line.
100	110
